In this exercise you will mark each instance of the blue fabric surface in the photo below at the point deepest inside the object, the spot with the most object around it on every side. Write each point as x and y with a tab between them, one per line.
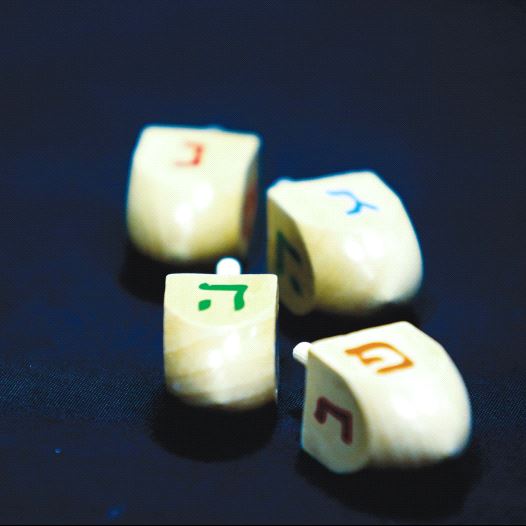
428	94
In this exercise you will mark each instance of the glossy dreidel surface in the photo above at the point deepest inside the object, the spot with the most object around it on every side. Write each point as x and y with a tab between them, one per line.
219	339
341	244
186	184
385	396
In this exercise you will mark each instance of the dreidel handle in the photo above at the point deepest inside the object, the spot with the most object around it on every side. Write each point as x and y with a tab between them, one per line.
301	352
228	267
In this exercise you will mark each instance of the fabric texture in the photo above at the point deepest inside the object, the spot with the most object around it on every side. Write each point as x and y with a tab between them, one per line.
430	95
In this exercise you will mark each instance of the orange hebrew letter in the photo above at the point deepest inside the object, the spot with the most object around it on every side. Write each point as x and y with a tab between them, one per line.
367	355
326	407
198	150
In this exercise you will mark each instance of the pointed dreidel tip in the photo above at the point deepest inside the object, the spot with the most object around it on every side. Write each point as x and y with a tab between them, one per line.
301	352
228	267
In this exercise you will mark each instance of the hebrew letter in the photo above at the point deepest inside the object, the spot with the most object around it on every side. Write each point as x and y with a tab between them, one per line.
325	408
239	300
283	247
198	150
395	359
358	205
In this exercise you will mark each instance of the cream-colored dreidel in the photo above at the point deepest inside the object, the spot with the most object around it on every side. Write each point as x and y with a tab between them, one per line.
388	396
219	338
342	244
192	194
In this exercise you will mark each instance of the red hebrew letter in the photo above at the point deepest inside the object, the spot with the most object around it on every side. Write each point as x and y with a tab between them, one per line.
325	407
198	150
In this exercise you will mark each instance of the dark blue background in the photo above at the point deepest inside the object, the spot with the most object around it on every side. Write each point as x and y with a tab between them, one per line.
429	94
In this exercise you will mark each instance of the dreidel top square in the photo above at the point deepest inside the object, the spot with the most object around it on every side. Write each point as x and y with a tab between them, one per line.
341	244
212	299
386	353
186	184
195	153
325	202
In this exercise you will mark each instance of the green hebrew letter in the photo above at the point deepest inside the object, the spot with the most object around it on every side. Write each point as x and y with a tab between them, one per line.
239	300
283	246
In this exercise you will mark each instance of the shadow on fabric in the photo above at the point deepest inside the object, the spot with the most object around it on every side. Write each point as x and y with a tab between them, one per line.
210	435
317	325
420	494
145	278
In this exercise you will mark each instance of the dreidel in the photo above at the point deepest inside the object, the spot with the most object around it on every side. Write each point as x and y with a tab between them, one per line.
219	338
387	396
341	244
187	183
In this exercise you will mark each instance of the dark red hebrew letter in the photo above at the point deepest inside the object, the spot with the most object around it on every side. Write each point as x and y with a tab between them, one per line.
326	407
198	150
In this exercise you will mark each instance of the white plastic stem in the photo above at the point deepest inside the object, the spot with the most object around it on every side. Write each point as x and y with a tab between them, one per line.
228	267
301	352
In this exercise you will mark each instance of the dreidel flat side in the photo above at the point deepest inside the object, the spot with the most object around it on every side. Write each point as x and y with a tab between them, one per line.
219	339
